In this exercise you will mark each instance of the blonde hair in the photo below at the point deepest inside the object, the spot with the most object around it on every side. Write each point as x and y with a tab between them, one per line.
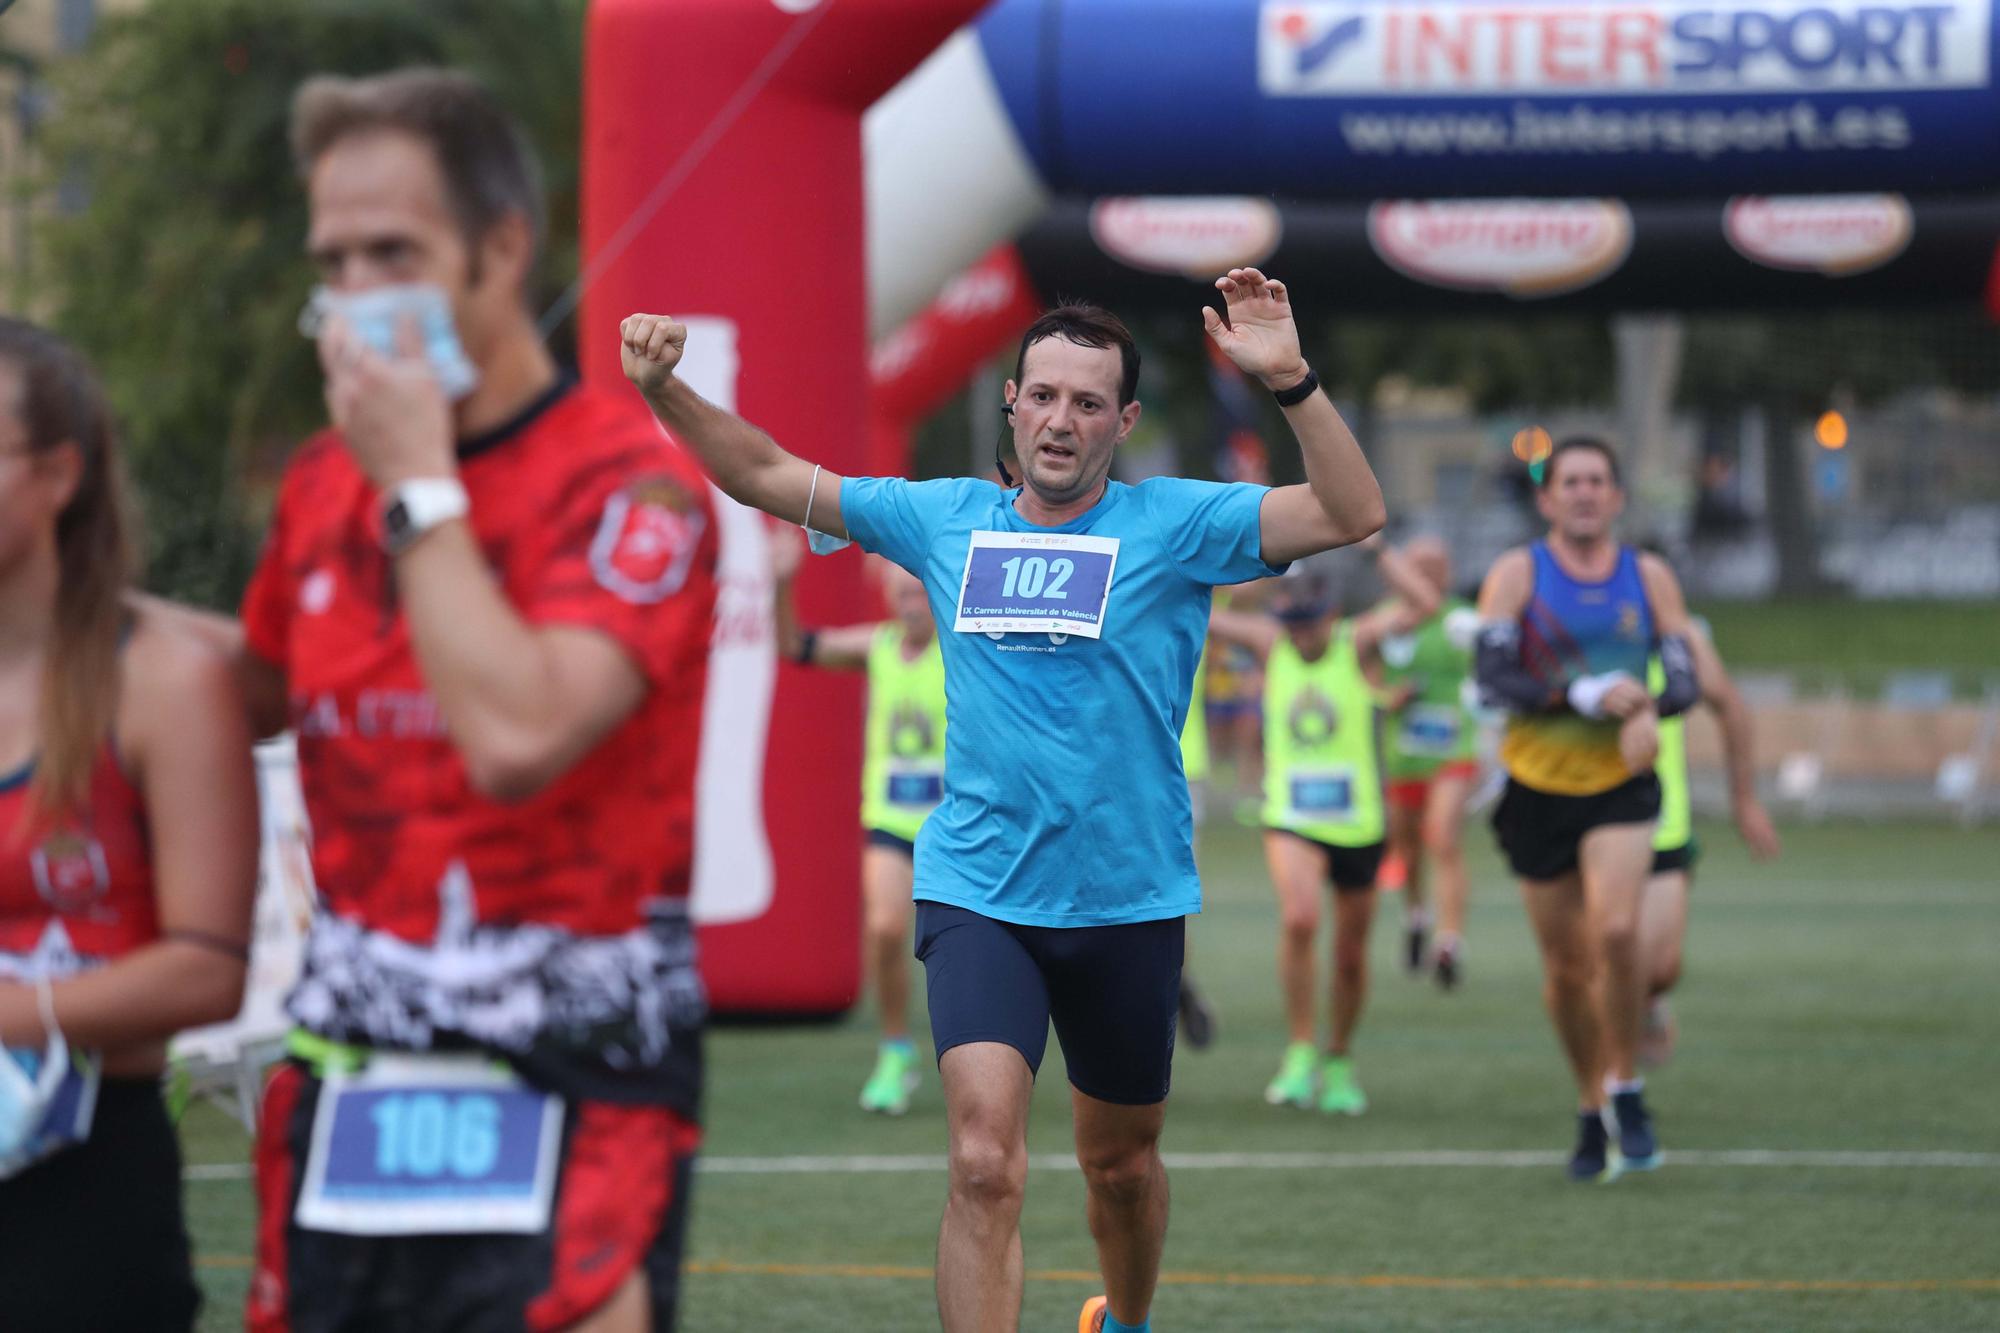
63	403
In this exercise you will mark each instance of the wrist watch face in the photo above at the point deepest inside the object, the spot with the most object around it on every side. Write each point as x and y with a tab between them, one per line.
399	525
396	525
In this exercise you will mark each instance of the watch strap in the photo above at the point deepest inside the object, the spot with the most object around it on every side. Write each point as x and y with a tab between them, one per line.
412	508
1299	392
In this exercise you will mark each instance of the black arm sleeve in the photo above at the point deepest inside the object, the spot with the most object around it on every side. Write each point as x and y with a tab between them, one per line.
1504	680
1683	688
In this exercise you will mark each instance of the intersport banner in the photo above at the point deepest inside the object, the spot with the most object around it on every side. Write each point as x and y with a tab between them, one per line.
1332	98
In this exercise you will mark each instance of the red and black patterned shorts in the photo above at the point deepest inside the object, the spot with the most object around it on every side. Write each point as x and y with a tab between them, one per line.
620	1205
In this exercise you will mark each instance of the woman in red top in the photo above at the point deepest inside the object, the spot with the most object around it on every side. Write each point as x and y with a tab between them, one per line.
128	849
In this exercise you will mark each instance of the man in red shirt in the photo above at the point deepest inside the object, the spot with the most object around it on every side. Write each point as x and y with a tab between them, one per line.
484	607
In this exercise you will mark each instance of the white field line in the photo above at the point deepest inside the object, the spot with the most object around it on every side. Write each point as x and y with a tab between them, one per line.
924	1164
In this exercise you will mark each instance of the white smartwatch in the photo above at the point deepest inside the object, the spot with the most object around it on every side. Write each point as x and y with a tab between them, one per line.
415	507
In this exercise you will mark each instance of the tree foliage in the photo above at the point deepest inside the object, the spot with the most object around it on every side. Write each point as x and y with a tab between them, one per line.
182	273
1523	361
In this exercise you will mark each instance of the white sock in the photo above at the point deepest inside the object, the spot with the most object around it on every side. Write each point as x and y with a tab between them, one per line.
1614	1085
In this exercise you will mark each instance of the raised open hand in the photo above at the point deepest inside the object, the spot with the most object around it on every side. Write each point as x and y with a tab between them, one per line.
1260	337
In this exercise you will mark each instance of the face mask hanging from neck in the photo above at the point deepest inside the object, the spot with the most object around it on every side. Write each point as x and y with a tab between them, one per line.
819	543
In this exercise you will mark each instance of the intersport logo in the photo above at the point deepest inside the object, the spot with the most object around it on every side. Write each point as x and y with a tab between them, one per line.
1316	48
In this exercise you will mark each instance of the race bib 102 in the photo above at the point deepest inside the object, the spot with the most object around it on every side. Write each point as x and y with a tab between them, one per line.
1036	583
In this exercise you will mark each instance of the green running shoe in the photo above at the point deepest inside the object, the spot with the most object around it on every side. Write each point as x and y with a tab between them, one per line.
888	1089
1339	1094
1294	1084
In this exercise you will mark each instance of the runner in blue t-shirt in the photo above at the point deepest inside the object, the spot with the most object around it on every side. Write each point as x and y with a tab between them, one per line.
1053	880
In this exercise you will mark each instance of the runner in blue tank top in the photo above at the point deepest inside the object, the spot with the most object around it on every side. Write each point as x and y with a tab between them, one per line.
1568	626
1053	880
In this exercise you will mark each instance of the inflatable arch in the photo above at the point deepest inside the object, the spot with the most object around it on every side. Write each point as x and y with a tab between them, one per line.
724	180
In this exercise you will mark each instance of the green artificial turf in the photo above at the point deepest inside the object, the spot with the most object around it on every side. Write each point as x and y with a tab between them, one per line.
1841	1000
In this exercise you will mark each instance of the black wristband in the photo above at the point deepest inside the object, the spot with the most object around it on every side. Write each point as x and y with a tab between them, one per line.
209	940
1299	392
808	640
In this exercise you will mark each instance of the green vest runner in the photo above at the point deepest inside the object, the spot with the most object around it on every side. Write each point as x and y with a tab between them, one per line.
1321	778
902	776
1676	828
1194	731
1434	729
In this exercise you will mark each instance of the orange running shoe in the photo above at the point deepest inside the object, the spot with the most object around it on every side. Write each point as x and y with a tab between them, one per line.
1092	1318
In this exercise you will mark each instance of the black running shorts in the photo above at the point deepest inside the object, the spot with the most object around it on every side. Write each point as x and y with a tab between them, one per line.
1113	992
1540	832
1348	869
92	1237
1666	860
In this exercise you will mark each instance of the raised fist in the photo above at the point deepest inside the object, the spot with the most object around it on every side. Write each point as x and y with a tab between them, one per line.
650	347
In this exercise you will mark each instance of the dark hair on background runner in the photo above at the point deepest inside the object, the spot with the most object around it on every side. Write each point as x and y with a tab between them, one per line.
59	401
1569	445
1086	325
489	170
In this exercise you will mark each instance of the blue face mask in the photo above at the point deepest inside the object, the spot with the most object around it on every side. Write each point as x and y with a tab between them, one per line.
378	315
819	543
46	1103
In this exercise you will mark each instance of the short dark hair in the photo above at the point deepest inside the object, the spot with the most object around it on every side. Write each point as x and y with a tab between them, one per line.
1086	325
489	170
1571	444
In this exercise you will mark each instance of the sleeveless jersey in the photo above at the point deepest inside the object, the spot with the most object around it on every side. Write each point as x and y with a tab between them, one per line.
1321	776
1194	731
76	891
1676	815
902	772
1571	629
1434	728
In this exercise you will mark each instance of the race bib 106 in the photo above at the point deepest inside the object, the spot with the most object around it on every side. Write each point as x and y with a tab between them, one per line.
430	1145
1036	583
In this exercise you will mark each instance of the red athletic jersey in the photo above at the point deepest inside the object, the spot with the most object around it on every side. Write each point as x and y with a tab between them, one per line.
75	891
559	921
